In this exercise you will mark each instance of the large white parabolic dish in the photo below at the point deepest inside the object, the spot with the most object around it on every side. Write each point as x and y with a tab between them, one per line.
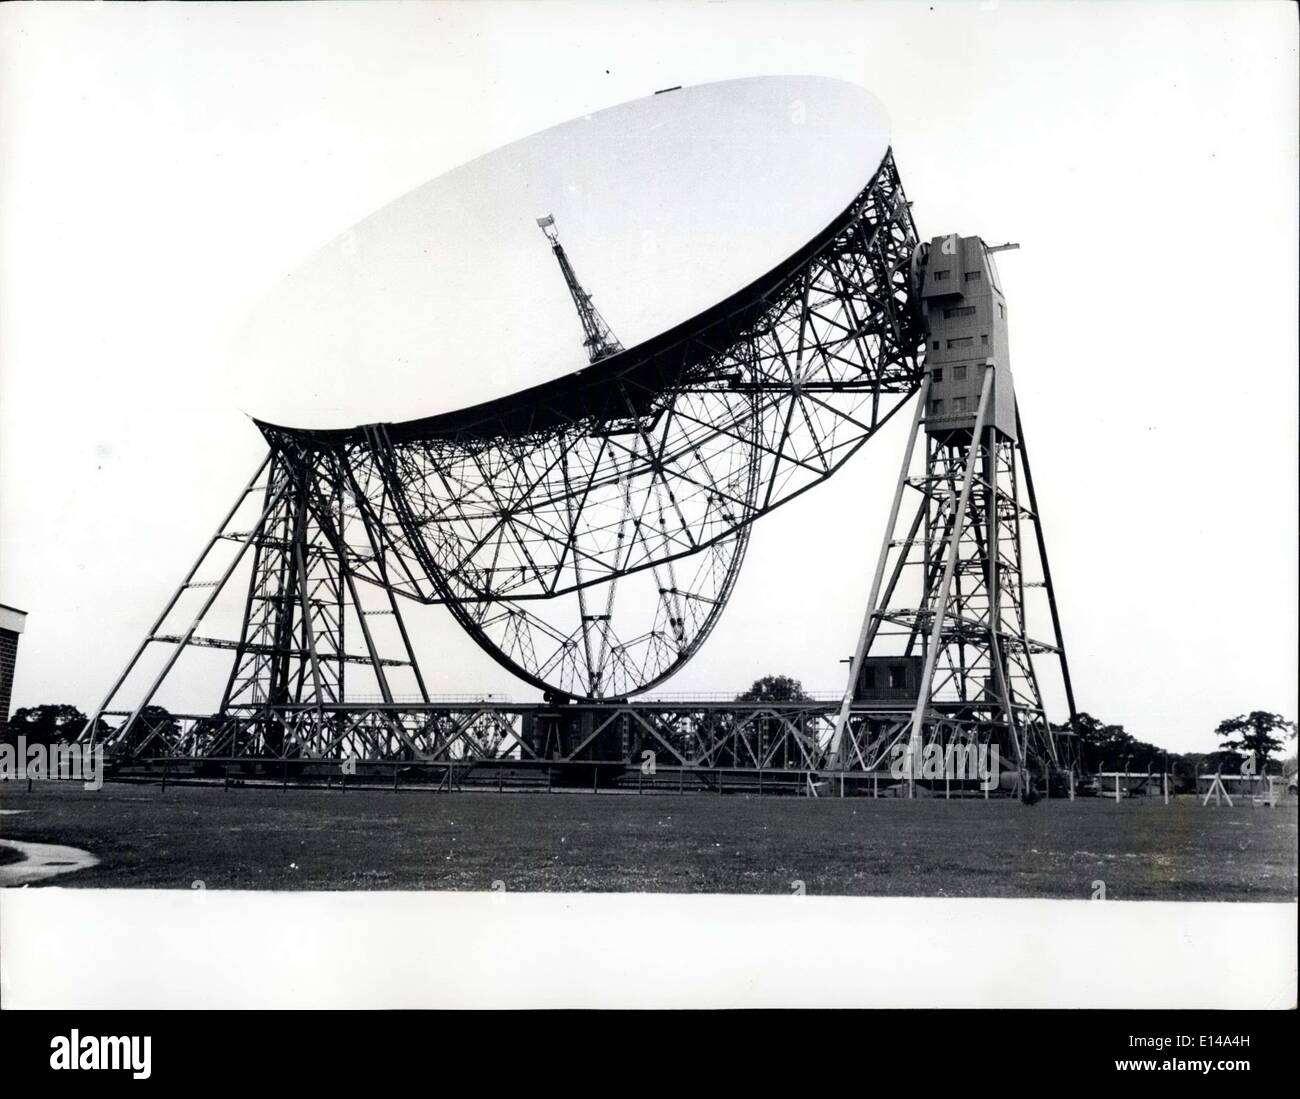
450	296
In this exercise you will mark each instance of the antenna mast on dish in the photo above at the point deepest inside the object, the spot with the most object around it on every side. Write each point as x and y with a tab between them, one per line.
599	341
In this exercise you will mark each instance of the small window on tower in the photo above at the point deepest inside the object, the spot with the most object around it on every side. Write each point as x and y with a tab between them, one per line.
962	341
937	374
936	407
959	373
898	677
972	276
959	404
984	337
940	276
868	679
936	345
1002	311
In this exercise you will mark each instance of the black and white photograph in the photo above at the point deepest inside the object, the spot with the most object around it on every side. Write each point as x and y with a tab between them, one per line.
577	505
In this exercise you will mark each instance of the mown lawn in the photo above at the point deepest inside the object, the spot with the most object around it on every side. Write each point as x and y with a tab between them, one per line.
265	838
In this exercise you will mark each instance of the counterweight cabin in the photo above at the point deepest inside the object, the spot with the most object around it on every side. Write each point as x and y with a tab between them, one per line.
965	317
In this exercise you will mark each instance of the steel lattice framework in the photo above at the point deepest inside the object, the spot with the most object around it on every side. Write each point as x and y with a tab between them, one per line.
587	533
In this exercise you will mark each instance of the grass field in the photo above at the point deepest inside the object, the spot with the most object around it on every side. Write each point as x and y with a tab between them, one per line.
265	838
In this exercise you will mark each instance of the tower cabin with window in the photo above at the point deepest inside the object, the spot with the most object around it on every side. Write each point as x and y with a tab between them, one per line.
966	324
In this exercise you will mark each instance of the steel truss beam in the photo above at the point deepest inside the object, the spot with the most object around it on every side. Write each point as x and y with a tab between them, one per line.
700	743
778	747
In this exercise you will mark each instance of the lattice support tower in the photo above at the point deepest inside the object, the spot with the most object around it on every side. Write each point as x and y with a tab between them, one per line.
963	650
303	604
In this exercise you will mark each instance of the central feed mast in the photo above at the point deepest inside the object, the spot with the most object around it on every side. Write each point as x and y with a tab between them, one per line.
599	341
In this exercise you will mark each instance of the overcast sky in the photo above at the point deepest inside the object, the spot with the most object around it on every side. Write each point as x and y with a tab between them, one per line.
161	167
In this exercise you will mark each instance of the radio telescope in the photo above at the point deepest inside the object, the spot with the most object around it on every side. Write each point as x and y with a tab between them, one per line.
455	415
